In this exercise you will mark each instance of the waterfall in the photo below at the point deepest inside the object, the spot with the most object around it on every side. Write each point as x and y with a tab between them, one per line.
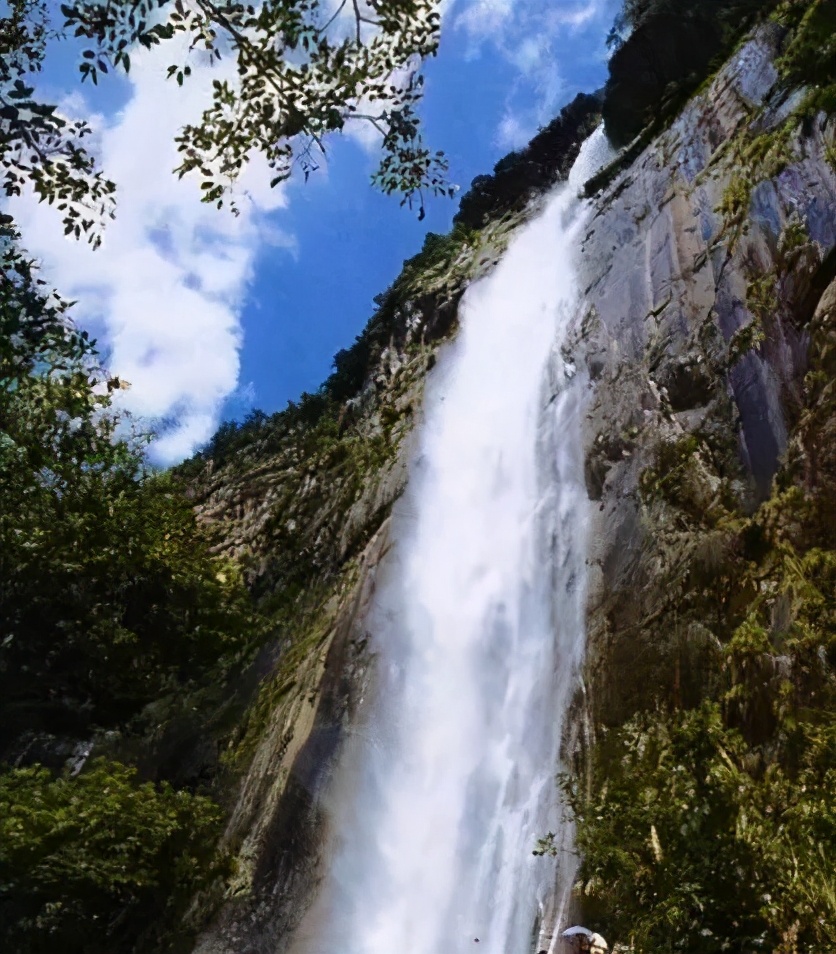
478	632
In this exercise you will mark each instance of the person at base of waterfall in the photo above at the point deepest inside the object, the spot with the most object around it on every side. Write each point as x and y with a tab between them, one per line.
579	943
589	944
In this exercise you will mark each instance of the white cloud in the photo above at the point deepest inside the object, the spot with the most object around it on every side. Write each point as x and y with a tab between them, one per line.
532	36
579	14
169	281
512	133
481	20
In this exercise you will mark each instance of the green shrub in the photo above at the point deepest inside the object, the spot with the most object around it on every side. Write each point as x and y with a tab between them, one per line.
109	595
90	861
691	845
810	56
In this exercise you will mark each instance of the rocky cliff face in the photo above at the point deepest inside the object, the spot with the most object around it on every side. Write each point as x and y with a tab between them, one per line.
703	266
695	332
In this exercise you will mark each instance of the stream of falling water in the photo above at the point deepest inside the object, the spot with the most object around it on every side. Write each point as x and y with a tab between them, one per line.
479	632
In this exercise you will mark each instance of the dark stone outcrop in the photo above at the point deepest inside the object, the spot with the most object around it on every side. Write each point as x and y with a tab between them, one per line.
671	49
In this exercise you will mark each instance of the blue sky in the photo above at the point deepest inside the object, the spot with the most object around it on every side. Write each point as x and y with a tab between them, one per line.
209	316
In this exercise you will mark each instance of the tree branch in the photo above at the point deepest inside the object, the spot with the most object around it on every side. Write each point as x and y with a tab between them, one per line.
338	11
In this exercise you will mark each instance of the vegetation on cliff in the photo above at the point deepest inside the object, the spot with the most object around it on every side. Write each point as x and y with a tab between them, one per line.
707	821
696	841
530	171
808	62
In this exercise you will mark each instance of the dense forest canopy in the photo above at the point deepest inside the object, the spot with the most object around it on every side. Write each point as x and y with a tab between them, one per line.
663	50
109	601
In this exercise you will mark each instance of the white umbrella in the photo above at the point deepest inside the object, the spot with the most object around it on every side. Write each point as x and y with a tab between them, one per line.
575	931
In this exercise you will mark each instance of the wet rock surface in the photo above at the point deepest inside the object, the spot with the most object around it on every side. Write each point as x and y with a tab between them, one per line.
278	827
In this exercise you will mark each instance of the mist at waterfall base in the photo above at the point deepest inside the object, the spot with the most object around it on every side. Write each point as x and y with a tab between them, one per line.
448	781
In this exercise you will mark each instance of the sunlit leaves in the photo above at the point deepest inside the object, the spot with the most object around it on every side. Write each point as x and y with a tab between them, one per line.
40	148
304	69
692	844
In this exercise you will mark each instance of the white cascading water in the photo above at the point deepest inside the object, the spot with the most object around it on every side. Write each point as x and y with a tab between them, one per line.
444	789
